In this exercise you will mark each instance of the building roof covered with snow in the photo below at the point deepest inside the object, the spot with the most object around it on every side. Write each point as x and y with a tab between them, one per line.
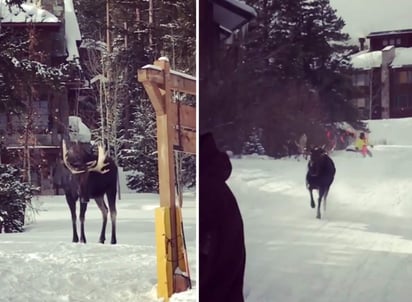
72	30
367	60
50	13
389	32
28	12
403	57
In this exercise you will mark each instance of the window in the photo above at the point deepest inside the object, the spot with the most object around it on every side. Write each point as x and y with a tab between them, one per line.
392	42
404	76
41	116
360	79
360	102
385	42
398	41
403	101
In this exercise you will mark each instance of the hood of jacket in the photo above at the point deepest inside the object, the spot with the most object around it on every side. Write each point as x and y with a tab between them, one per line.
213	163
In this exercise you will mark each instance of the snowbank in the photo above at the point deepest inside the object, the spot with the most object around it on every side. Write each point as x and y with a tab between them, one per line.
390	131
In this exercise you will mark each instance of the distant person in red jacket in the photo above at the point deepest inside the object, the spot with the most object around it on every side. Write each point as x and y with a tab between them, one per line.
222	253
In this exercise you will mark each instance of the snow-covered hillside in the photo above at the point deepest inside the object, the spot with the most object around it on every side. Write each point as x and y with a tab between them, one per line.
360	251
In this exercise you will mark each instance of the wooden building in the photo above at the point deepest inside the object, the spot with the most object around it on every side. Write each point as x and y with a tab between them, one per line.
383	75
58	37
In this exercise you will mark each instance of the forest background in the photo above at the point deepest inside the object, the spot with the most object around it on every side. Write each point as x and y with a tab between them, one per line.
117	40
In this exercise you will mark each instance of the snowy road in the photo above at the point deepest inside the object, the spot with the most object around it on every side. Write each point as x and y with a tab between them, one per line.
360	251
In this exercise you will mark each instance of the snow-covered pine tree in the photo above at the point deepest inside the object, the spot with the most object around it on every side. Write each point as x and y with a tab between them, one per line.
136	40
139	152
15	199
253	145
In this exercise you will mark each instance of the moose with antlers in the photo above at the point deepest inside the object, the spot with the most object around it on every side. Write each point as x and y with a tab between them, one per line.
91	176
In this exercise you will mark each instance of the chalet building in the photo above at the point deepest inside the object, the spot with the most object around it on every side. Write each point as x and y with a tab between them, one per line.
383	75
58	36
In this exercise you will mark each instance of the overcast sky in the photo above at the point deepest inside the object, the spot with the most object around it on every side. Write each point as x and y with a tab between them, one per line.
365	16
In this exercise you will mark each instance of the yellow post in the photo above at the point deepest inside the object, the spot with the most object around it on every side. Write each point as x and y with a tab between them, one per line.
164	263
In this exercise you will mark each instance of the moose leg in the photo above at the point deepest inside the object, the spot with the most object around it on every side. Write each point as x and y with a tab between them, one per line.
83	208
321	194
111	197
312	202
324	199
103	208
71	202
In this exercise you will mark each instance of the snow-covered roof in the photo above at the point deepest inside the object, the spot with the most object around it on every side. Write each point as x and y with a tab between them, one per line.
243	6
403	57
72	30
367	60
27	13
232	14
389	32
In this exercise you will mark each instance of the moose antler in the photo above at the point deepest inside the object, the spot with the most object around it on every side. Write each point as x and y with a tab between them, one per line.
66	162
100	164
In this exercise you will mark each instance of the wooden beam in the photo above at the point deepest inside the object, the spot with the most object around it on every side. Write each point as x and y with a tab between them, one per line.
152	75
156	96
178	82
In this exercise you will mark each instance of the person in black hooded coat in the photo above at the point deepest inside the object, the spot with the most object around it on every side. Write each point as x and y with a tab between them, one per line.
222	254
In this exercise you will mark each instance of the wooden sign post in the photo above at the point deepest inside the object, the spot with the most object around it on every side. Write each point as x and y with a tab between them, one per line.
176	130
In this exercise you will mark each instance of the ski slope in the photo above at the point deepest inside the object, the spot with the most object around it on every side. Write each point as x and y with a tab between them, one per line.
360	251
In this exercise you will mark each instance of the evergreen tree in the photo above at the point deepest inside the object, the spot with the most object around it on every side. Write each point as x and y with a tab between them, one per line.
253	145
15	198
290	75
138	36
139	152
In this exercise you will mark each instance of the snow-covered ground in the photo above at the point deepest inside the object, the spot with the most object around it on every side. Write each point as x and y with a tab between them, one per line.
360	251
42	265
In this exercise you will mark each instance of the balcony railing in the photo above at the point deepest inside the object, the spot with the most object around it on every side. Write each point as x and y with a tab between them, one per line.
34	141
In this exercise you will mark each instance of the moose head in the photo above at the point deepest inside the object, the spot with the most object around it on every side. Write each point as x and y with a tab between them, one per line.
79	158
316	160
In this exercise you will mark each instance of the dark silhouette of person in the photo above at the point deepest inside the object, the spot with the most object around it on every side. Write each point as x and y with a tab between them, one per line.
222	253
